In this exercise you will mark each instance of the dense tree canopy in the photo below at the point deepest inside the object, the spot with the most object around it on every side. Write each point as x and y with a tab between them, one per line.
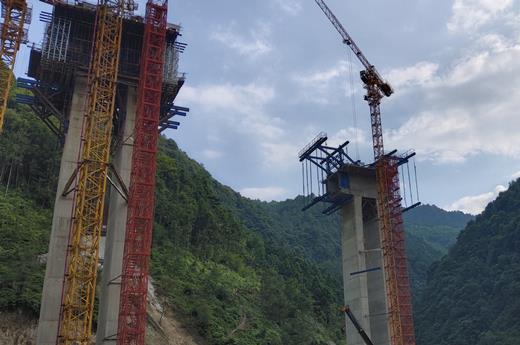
472	296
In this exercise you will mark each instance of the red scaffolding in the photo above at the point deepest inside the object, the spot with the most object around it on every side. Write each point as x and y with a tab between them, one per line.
393	242
138	240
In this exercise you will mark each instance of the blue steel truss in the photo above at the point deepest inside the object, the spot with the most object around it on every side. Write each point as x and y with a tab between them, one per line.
320	161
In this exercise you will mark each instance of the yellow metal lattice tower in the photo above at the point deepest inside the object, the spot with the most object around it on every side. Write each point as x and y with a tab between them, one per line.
12	32
83	254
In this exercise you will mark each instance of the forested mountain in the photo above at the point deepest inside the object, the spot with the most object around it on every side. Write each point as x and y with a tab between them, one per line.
318	237
437	227
225	280
472	296
238	271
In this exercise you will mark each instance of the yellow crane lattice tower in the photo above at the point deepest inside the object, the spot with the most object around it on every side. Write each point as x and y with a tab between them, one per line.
83	253
12	33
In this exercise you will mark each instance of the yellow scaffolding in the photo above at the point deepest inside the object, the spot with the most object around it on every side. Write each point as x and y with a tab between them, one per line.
12	32
83	254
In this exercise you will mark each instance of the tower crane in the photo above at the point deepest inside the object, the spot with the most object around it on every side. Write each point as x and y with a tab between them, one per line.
15	13
75	325
389	201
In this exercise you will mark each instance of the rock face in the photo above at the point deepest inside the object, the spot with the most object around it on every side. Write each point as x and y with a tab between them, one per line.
163	328
17	329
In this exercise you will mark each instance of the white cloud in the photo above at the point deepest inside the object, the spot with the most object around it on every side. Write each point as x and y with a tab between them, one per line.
421	73
212	154
354	135
437	136
469	15
292	7
242	108
244	99
516	175
468	108
254	45
279	154
321	86
475	204
319	78
263	193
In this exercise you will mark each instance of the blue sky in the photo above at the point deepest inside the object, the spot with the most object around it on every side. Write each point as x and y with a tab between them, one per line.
264	77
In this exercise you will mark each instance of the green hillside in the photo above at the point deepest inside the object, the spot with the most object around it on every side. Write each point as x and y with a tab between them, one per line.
222	278
472	296
435	226
239	271
318	237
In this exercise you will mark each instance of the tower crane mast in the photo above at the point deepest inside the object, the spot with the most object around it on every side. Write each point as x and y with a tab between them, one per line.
76	315
388	199
376	87
15	13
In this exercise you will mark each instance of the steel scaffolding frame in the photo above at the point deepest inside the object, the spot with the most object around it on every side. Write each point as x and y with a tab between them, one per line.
397	279
11	36
83	254
138	238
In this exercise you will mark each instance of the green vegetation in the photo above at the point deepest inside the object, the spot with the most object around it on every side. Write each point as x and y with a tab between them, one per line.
472	296
234	285
239	271
436	227
24	229
430	232
229	282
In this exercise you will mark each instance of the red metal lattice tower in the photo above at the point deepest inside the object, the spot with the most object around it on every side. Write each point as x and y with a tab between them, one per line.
138	240
399	296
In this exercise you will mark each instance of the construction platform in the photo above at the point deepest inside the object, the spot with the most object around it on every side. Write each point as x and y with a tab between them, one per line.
65	53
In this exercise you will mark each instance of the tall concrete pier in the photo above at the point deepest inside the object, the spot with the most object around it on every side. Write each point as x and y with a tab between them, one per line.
363	272
59	69
61	222
116	226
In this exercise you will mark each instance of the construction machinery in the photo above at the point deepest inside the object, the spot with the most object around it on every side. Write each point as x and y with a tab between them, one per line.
361	331
140	216
16	14
83	252
388	199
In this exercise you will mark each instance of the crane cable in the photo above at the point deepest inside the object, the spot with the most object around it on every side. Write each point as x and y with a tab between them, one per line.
353	102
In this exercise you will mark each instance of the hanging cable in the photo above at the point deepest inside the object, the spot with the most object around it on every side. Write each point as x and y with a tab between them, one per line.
416	183
303	180
310	172
409	183
318	180
353	101
307	177
321	174
403	183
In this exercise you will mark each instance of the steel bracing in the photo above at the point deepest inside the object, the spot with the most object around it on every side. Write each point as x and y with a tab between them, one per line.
138	238
83	253
11	36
